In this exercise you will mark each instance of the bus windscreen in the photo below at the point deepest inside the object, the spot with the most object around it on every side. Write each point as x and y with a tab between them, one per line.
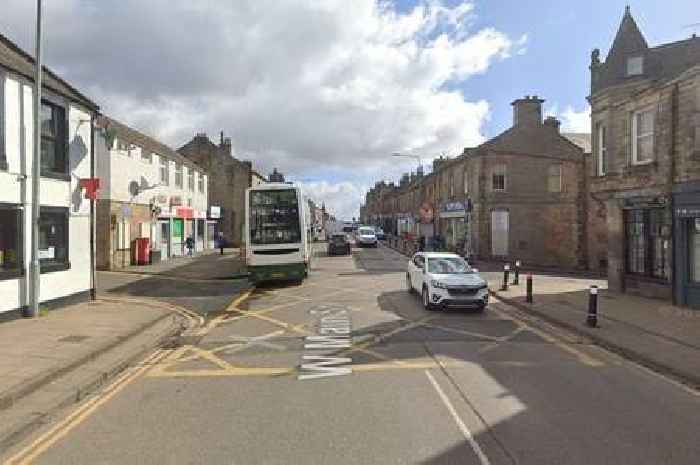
274	217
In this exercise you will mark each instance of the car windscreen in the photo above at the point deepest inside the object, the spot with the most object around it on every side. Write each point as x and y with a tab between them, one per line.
366	231
338	239
274	217
448	265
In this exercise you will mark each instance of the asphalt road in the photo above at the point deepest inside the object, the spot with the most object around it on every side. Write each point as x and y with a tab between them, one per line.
412	387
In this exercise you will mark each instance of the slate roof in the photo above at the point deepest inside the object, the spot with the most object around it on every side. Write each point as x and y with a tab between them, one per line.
18	61
582	139
132	136
539	140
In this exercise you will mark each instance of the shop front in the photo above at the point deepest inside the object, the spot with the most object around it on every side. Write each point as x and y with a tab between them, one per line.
213	219
453	225
686	217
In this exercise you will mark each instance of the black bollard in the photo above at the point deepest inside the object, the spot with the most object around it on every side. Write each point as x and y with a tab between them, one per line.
516	274
506	270
592	318
528	297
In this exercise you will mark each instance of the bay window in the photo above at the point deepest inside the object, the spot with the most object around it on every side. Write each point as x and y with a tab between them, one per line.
190	179
178	175
164	171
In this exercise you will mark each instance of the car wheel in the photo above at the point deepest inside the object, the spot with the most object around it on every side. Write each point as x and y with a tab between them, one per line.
426	299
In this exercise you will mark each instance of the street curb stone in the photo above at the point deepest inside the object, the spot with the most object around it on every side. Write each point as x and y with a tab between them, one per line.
686	377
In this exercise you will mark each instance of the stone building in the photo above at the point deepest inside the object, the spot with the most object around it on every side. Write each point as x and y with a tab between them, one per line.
644	175
229	179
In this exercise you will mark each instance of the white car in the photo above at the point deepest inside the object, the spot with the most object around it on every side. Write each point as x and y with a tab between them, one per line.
366	237
445	280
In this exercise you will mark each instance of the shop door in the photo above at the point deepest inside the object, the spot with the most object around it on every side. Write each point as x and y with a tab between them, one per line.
178	236
692	283
499	233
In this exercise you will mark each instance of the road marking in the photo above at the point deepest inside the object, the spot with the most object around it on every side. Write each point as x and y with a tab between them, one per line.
460	424
27	455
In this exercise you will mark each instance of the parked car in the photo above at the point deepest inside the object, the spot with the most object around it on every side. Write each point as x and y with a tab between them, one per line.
366	237
338	244
445	280
379	232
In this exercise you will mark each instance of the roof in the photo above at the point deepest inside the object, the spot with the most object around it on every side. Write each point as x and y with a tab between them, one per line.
132	136
582	139
538	140
16	60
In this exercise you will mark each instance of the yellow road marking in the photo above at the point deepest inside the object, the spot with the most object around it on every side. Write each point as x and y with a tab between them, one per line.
60	430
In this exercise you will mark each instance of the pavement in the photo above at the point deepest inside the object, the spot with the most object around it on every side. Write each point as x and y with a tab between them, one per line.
661	336
395	384
54	361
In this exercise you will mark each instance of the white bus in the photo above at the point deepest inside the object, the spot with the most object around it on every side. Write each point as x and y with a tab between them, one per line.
277	233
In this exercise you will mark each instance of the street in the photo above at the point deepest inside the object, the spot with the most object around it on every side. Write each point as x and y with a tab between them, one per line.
273	378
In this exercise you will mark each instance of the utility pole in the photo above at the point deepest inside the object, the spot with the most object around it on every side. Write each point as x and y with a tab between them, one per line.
33	309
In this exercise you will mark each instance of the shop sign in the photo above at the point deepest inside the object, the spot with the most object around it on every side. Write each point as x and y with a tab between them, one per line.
175	201
214	211
685	212
453	210
184	212
645	202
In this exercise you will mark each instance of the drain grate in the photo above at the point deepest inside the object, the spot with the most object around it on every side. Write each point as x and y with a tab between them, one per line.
73	338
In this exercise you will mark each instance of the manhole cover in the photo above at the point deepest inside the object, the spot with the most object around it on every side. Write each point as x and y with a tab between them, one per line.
74	338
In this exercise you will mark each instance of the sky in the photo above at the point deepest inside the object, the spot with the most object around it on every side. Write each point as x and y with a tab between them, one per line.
326	90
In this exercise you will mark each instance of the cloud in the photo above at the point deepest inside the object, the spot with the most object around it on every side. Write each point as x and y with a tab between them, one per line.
572	120
311	87
344	197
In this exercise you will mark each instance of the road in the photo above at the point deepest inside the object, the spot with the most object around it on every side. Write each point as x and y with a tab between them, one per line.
412	387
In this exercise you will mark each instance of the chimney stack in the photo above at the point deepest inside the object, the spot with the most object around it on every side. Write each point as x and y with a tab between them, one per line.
527	111
552	122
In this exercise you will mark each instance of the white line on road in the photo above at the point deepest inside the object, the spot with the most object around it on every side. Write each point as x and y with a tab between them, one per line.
460	424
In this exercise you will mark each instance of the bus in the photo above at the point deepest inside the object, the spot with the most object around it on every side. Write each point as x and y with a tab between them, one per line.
277	233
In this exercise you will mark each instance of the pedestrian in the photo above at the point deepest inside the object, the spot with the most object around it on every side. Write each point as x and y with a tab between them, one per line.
189	243
421	244
221	242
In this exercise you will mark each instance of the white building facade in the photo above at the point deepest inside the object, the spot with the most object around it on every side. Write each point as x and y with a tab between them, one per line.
148	191
65	226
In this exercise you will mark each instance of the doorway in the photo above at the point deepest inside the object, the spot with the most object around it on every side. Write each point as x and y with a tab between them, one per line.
499	233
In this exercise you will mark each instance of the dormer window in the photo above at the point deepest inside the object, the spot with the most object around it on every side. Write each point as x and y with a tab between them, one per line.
635	66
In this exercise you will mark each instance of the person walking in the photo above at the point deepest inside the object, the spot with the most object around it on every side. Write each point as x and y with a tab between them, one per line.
189	243
421	244
221	242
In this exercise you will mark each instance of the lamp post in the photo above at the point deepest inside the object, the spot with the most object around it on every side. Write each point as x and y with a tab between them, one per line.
33	308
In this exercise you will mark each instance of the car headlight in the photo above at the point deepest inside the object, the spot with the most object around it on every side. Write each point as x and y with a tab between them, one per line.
438	284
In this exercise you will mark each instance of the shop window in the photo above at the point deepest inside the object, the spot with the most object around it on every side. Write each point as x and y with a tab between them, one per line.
164	171
498	177
54	140
647	243
178	175
554	178
53	238
10	241
642	137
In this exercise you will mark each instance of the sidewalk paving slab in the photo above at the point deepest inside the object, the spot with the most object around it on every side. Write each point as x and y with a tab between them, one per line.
209	264
50	362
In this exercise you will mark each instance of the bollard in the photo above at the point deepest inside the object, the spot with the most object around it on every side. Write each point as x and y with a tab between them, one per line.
592	318
516	274
506	269
528	297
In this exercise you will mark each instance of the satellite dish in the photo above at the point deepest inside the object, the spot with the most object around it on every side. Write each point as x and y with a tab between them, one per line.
134	188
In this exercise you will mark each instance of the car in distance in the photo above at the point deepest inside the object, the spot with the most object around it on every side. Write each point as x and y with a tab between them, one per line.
445	280
366	237
379	232
338	244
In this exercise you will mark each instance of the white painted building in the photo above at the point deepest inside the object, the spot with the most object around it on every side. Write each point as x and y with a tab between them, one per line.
65	218
148	191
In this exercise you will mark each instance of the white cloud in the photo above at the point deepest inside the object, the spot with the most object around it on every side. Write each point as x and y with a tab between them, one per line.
576	121
342	198
307	86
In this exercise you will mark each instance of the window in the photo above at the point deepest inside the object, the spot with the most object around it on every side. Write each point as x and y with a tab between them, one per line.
189	202
452	185
3	156
54	139
10	241
642	137
602	149
466	182
274	217
164	171
190	179
121	145
554	178
647	244
498	178
200	182
635	66
146	155
178	175
694	249
53	238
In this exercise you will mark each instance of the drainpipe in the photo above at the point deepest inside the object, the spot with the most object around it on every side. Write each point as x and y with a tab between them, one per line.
93	281
671	179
